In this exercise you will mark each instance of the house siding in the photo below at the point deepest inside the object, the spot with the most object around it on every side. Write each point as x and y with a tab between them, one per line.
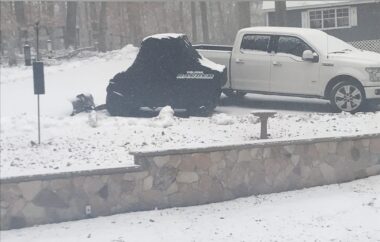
368	28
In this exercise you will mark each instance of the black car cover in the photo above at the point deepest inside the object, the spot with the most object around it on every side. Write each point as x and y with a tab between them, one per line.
166	71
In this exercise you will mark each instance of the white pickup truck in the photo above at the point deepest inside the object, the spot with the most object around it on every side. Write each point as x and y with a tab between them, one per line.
298	62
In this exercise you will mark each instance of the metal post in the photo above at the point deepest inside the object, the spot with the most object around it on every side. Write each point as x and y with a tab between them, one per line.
264	132
38	95
39	123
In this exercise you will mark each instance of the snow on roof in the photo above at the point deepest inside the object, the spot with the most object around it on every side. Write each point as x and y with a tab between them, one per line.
164	36
268	6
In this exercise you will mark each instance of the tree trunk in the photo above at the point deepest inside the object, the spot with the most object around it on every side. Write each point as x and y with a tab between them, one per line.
244	11
280	13
164	17
135	25
71	23
181	18
103	27
21	23
193	22
94	30
205	30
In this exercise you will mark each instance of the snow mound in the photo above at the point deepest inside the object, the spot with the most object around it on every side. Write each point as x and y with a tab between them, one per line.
164	119
164	36
222	119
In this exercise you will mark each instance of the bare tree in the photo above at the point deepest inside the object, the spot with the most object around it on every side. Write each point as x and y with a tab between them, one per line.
181	17
103	27
135	23
71	23
21	22
204	20
280	13
193	22
244	14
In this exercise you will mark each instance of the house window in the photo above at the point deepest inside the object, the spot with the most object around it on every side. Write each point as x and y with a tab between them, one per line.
329	18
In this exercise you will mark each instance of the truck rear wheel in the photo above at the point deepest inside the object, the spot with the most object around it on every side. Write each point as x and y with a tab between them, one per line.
234	93
348	97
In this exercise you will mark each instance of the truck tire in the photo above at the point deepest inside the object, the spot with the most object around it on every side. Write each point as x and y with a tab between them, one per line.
233	93
347	96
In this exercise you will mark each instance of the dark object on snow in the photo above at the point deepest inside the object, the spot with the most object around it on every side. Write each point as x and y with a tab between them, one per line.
83	103
167	71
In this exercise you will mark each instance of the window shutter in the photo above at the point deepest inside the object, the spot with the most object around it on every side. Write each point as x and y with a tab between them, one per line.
353	16
305	19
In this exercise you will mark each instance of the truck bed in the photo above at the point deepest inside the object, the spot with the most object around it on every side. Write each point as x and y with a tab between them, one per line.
220	54
214	47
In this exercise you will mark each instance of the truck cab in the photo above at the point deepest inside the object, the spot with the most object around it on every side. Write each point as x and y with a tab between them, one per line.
299	62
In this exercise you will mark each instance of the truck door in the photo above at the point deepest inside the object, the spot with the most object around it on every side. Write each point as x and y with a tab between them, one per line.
250	63
290	74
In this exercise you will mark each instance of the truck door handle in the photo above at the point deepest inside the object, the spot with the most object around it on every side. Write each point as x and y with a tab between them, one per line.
239	61
275	63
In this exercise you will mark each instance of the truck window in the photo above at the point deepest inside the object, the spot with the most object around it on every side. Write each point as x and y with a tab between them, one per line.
255	42
291	45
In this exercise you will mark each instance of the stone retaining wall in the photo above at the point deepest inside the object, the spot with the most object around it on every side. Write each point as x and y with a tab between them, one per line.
188	177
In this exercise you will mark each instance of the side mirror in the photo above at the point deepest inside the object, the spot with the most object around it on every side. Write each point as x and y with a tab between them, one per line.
308	55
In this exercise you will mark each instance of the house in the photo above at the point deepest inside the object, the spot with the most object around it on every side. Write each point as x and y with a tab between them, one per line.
354	21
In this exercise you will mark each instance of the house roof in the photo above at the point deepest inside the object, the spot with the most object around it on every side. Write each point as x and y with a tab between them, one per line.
268	6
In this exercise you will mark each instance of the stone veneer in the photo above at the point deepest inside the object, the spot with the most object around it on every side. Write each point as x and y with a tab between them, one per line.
188	177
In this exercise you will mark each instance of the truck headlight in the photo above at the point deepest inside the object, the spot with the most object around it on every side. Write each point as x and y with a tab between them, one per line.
374	73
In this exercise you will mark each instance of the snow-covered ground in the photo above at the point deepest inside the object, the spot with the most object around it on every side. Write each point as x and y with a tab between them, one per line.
342	212
79	143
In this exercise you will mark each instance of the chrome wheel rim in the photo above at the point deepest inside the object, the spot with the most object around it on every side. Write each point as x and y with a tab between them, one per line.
348	98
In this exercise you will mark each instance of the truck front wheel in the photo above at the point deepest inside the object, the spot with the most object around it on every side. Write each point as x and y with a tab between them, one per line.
233	93
348	97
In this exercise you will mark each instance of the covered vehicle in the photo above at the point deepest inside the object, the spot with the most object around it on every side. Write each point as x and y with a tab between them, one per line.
167	71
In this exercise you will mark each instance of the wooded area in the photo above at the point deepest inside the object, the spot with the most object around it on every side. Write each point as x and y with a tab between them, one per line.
111	25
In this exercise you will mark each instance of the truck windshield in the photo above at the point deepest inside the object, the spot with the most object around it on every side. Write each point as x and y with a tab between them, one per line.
336	45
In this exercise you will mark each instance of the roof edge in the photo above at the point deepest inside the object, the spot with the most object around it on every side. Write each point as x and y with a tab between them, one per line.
322	5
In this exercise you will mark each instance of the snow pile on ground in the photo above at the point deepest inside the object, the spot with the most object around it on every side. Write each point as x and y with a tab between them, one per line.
222	119
164	119
341	212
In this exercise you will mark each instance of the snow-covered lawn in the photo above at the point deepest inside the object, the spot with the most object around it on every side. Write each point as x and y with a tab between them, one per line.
342	212
71	143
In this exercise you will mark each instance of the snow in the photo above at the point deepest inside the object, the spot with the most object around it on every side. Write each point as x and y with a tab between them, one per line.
164	119
164	36
222	119
212	65
96	140
340	212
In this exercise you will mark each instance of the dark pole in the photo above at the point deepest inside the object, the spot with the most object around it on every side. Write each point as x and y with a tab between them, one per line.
38	95
39	126
38	41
